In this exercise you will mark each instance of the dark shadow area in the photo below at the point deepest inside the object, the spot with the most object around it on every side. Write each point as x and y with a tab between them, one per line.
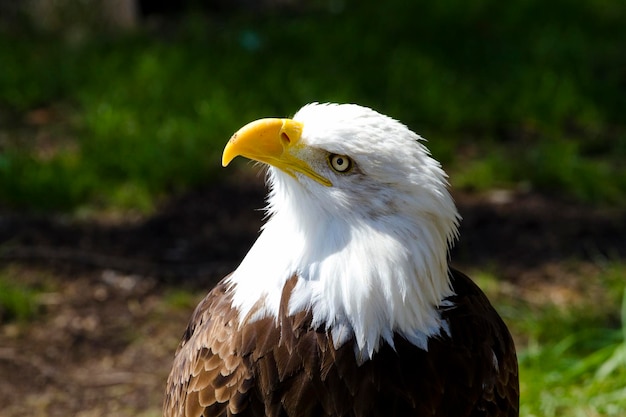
530	230
194	238
200	236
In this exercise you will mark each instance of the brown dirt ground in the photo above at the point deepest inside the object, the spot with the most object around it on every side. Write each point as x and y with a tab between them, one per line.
110	317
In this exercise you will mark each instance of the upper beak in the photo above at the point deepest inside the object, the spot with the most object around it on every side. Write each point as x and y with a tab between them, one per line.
272	141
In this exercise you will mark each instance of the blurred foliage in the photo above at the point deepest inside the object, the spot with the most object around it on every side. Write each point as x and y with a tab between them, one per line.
572	354
508	93
18	302
557	379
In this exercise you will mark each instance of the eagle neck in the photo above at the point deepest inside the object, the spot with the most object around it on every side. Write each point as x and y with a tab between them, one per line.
361	280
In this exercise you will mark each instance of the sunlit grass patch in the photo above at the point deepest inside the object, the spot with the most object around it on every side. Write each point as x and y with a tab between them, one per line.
18	302
572	355
584	374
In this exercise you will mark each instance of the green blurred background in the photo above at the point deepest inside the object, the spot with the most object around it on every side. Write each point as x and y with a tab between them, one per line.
100	110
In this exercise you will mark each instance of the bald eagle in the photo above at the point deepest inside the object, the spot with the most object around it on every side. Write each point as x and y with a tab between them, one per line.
346	304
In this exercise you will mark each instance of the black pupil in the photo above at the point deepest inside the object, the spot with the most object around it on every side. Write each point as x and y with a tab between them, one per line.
340	161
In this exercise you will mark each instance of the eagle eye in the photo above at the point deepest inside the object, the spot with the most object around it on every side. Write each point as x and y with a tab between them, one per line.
340	163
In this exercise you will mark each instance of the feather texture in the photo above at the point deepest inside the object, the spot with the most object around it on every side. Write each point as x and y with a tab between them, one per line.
304	375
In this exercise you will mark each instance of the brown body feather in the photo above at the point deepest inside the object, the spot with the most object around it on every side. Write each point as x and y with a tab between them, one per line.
284	368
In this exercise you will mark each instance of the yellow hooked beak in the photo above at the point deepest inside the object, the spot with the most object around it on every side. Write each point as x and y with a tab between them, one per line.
272	141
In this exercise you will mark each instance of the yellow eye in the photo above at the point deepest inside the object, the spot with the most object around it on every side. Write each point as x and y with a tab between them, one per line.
340	163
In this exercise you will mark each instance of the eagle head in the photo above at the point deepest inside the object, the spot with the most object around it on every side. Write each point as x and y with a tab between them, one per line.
360	213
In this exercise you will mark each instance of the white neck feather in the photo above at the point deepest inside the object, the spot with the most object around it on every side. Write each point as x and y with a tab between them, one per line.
363	277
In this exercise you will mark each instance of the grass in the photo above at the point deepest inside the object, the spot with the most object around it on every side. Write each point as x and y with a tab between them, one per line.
572	355
508	94
558	380
180	299
581	375
18	302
